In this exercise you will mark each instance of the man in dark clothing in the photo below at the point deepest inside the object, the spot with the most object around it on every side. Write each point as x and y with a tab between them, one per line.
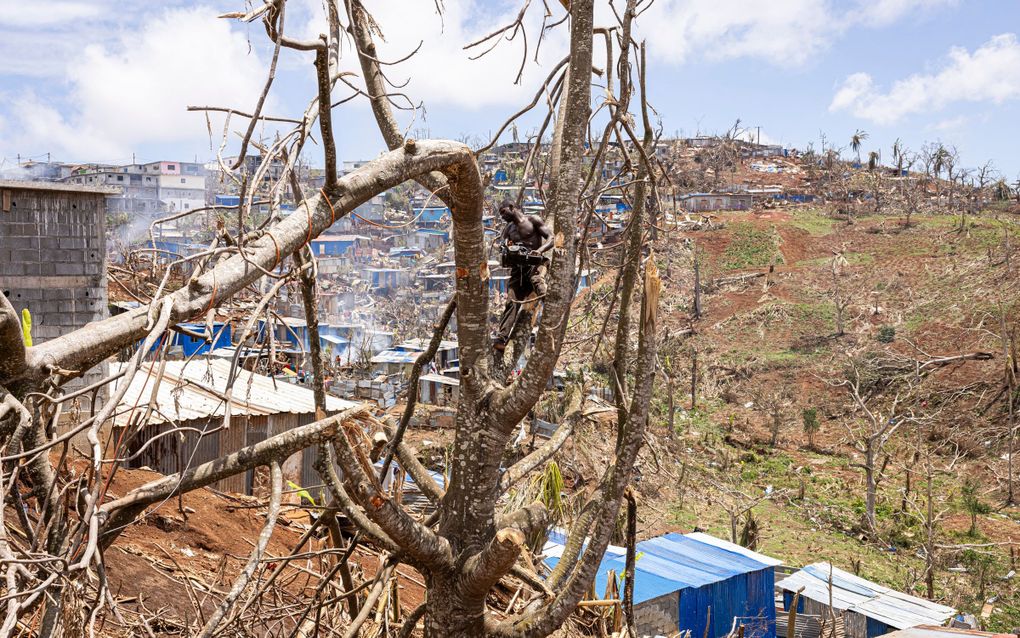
531	237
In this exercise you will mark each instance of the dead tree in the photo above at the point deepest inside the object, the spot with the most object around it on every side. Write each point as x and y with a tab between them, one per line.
931	458
774	402
468	545
841	297
868	434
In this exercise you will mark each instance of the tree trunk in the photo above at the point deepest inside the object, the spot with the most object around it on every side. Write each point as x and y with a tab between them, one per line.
871	488
694	380
449	614
697	284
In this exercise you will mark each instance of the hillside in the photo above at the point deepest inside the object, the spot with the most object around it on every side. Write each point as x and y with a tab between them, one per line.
766	349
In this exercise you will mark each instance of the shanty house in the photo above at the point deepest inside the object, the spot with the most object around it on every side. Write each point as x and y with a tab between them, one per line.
428	238
385	278
431	217
868	609
438	389
195	341
693	582
192	399
698	202
447	354
337	245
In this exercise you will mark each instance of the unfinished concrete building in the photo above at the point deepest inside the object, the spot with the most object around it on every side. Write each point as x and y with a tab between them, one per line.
52	258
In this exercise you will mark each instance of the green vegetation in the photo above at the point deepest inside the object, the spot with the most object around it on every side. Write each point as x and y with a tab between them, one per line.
809	416
852	259
751	247
814	221
972	503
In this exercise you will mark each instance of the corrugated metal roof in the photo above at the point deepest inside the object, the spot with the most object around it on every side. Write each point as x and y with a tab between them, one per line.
667	564
70	187
421	345
928	631
733	547
394	356
194	389
439	378
853	593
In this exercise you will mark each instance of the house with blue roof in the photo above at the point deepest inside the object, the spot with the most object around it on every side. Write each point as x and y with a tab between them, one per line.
431	217
194	340
692	582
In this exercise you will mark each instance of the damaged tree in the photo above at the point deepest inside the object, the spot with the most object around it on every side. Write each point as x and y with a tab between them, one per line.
58	577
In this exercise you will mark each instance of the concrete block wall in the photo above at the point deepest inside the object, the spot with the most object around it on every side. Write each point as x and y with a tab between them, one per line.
658	616
53	260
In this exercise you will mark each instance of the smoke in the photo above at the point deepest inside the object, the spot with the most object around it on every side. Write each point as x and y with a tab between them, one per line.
14	172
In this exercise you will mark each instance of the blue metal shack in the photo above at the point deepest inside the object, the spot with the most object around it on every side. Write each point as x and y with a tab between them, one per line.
696	582
194	345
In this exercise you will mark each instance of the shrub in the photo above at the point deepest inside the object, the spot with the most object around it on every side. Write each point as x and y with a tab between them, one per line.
886	334
810	418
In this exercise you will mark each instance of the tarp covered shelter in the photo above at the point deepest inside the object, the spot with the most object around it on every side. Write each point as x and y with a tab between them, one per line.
692	582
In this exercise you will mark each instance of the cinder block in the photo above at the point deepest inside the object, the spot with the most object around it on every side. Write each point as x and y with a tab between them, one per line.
69	268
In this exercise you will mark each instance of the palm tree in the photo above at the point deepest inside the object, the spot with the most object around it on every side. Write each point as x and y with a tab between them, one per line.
938	163
855	142
874	157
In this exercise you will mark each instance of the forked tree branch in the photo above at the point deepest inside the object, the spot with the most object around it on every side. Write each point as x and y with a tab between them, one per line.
86	347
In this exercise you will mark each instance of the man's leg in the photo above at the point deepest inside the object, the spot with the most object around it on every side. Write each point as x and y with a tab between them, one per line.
509	318
538	281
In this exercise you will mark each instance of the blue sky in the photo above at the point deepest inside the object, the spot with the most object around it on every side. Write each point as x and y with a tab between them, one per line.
105	80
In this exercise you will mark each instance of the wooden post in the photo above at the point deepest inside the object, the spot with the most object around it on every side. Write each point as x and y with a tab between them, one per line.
791	623
697	281
628	586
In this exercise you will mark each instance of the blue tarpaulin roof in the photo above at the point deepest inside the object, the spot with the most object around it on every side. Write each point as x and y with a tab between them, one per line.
670	563
713	584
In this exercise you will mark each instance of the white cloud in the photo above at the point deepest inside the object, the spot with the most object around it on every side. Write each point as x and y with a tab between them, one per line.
990	74
136	92
442	73
37	13
951	124
784	32
884	12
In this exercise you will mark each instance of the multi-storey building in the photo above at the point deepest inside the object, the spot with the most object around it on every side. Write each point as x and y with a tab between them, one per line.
152	188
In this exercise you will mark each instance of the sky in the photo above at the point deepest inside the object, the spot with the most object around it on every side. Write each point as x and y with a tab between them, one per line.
111	80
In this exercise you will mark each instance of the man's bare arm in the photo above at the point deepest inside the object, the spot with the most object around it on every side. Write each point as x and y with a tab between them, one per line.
543	232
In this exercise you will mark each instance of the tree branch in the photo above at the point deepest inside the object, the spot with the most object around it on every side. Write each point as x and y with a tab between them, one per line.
84	348
122	511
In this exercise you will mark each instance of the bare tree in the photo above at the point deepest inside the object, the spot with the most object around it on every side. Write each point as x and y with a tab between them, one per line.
774	401
468	545
841	296
929	505
868	434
